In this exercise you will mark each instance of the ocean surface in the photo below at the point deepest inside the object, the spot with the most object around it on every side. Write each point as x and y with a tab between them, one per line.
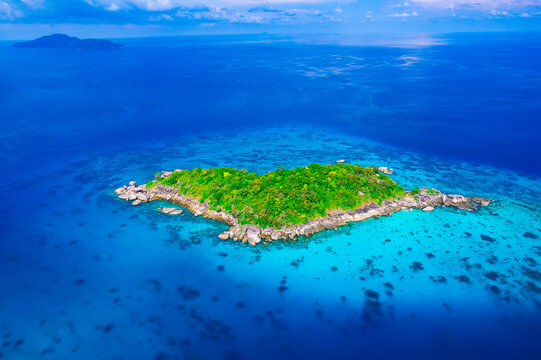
84	275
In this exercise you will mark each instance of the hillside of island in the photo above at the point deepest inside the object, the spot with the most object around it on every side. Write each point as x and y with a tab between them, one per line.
287	203
284	197
63	41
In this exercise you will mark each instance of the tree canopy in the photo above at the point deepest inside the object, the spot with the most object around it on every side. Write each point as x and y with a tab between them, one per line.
284	197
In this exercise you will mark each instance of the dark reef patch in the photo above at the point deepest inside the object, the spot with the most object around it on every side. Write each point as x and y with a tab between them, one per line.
371	294
532	288
188	293
492	275
217	331
417	266
439	279
531	273
488	238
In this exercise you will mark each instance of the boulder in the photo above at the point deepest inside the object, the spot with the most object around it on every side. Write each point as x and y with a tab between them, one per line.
385	170
141	196
428	208
253	238
170	211
340	161
224	235
136	202
132	183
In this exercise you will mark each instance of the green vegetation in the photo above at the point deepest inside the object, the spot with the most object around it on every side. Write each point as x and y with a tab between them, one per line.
284	197
431	191
415	191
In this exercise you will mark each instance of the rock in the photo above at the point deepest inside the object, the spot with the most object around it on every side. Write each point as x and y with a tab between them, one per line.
166	173
455	199
132	183
136	202
178	170
361	193
385	170
428	208
340	161
252	237
143	197
120	190
170	211
224	235
131	196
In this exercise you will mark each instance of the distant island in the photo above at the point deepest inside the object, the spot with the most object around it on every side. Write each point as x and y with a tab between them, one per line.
62	41
285	204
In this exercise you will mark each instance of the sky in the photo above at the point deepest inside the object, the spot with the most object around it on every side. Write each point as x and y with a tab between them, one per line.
25	19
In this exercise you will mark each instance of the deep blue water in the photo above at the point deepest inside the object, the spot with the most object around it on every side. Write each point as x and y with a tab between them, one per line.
84	275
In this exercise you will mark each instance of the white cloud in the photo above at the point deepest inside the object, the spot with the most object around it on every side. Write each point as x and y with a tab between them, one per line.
163	5
404	4
9	11
473	4
113	7
258	15
161	17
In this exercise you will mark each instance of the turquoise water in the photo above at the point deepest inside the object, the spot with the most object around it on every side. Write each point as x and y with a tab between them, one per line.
89	276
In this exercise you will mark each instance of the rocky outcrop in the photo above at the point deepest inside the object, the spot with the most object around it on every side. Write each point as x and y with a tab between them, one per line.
426	200
385	170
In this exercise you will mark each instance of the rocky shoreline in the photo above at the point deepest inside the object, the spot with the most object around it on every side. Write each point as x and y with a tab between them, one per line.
426	200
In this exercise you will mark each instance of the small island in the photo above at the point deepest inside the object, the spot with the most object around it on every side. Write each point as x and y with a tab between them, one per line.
288	203
62	41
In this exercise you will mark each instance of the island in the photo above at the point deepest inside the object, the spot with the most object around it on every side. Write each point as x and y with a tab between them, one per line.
62	41
288	203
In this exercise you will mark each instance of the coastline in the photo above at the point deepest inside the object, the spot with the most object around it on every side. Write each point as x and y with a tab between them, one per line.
254	234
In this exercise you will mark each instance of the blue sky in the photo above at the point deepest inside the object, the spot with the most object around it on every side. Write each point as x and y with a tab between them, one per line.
20	19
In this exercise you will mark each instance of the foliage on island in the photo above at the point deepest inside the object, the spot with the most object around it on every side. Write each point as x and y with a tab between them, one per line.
284	197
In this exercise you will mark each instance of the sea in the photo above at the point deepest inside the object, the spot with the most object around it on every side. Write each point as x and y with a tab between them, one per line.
85	275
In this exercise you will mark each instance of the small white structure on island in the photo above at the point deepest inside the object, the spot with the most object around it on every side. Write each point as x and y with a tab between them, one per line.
340	161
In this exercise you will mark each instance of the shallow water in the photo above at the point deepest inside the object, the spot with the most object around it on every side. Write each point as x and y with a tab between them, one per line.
88	276
91	276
